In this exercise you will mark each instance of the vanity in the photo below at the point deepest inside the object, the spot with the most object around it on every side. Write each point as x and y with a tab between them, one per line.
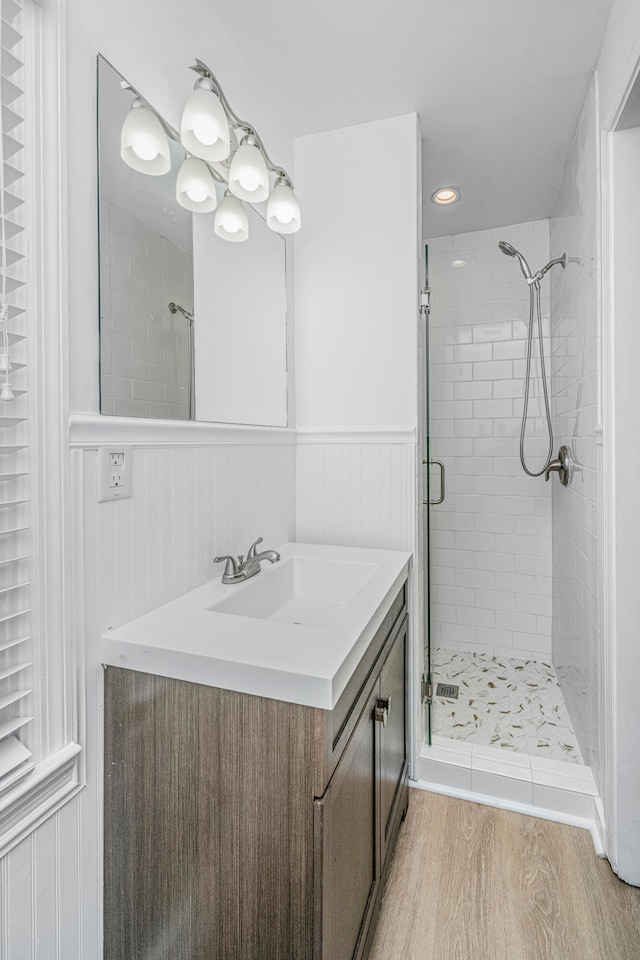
256	762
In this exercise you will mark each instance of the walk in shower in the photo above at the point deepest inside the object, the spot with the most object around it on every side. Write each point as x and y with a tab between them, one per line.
490	619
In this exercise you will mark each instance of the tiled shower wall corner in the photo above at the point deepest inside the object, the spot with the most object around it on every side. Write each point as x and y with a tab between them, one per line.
491	538
574	378
143	347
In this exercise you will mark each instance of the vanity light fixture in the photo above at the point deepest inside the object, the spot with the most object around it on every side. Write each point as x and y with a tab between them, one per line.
195	186
204	130
231	221
143	141
283	209
248	174
444	196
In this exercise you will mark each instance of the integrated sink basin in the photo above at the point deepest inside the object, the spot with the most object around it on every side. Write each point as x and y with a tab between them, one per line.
295	632
299	590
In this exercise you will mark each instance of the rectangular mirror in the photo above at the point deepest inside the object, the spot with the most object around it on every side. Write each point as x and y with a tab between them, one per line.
191	326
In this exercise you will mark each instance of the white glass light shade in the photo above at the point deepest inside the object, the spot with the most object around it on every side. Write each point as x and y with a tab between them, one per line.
248	174
283	209
231	221
195	186
204	130
6	392
143	142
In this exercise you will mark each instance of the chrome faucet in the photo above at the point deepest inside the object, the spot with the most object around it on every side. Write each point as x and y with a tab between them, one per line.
238	569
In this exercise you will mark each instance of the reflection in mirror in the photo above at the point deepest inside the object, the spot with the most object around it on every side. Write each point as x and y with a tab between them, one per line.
225	360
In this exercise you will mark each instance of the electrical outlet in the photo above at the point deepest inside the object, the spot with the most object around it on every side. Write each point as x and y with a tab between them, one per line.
114	473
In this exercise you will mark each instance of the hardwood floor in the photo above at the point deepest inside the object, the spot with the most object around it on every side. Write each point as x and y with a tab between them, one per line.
470	882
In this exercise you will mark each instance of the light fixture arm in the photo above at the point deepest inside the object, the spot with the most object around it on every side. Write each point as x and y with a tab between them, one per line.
204	71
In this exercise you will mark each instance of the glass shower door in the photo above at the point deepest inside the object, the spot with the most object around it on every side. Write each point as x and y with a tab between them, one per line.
426	685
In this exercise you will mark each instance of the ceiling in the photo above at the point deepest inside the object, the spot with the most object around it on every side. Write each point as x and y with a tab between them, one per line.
498	85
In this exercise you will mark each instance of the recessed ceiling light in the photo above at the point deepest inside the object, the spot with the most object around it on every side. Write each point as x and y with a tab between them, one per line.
458	263
445	196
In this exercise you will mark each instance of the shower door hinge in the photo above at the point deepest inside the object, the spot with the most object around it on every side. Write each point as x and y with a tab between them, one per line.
427	689
425	300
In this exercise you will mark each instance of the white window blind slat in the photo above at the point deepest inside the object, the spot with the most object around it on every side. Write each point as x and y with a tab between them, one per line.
10	9
17	754
14	642
15	586
12	671
12	725
14	697
13	616
12	754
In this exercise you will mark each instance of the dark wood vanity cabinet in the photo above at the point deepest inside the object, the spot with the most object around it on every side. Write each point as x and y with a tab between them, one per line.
242	828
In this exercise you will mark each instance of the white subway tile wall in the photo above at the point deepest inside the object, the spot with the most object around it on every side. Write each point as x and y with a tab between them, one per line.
144	361
575	357
491	538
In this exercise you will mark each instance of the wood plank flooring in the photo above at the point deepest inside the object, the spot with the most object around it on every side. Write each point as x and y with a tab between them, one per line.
470	882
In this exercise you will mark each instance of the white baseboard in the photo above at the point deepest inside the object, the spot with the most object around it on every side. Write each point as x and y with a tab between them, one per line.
551	790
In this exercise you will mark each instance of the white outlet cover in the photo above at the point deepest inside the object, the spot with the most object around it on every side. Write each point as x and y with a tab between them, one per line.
123	490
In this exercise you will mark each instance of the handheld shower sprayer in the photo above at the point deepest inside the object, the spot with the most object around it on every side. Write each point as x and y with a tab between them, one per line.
512	252
524	266
534	307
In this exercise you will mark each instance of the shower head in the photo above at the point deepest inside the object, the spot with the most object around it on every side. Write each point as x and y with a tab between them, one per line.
176	308
512	252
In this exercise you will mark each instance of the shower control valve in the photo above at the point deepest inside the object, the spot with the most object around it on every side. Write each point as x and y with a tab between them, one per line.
563	466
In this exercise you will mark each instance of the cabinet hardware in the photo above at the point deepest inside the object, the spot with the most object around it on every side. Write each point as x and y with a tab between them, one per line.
382	710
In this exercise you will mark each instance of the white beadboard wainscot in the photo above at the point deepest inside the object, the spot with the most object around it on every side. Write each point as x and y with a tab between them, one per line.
356	488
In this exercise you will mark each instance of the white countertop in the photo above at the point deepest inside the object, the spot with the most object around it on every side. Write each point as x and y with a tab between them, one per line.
298	663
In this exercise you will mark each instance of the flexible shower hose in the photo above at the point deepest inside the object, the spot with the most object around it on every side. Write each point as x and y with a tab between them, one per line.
534	307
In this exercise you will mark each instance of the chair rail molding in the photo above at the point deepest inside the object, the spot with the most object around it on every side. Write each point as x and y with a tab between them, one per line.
94	430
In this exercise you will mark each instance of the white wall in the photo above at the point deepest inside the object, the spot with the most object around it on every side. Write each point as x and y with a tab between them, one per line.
356	491
577	649
618	217
491	538
188	504
356	276
624	489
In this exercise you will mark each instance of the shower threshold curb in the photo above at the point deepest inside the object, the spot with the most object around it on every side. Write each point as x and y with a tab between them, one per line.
550	789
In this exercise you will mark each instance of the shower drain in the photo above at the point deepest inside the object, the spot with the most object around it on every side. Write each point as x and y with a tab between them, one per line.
449	690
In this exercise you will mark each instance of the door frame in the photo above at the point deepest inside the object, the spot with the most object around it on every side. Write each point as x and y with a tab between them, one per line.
620	773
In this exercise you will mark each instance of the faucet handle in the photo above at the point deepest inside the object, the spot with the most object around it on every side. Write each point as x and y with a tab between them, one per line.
231	568
563	466
252	549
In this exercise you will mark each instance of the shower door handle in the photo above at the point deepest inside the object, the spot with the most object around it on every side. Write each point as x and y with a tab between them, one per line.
439	463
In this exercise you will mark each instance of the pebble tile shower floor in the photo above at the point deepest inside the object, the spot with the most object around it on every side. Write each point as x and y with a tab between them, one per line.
516	705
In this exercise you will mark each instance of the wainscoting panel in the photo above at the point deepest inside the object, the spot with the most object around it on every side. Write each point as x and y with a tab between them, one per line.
40	893
357	493
189	504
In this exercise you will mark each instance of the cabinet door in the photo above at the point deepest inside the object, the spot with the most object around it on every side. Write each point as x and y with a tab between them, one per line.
393	735
346	850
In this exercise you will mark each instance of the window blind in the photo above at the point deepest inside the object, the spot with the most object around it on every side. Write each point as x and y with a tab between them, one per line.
17	735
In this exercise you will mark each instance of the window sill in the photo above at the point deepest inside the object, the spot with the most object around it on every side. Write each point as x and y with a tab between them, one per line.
50	784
